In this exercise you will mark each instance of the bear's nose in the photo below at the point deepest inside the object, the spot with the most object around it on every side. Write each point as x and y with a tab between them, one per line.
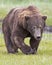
39	37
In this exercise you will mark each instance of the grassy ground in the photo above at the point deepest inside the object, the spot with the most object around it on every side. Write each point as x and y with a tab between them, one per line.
43	56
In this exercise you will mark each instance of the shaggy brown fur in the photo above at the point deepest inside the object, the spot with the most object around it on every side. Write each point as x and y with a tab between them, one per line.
18	25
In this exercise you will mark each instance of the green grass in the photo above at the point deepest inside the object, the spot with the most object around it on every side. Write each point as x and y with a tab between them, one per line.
43	56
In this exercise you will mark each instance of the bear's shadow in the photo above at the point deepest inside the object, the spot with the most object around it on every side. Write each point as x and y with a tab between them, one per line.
40	52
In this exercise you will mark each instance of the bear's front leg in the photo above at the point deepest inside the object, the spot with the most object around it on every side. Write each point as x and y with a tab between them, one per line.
34	44
19	42
27	50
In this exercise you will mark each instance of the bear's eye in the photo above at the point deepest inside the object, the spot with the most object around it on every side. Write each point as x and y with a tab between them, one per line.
34	27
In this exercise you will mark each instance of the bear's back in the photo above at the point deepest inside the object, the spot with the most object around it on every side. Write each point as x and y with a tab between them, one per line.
29	11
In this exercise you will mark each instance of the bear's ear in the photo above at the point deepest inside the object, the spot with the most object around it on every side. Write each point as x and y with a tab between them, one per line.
44	17
27	18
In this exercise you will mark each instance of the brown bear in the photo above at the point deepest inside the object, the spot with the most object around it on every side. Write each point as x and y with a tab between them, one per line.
21	23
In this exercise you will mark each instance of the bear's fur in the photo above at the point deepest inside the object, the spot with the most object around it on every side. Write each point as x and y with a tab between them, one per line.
17	26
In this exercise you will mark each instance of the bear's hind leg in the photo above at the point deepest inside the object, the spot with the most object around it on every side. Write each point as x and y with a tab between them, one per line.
8	42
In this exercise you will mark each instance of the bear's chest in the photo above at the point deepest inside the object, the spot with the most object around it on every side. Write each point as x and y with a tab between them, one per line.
22	32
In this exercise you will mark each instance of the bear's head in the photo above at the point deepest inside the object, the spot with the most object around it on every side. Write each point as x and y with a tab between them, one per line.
33	21
35	25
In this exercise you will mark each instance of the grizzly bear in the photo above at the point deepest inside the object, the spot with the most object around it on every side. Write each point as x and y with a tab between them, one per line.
21	23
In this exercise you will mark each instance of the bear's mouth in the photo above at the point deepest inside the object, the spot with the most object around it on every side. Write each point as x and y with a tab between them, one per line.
37	38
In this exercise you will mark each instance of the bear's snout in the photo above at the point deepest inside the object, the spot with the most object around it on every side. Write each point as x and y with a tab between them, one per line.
37	34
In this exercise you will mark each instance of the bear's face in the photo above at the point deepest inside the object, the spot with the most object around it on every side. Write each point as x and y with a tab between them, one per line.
35	25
